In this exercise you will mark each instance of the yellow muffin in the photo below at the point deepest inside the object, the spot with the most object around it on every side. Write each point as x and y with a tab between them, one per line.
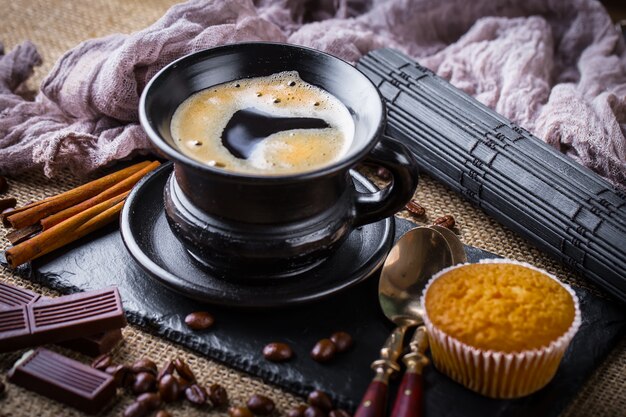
499	327
500	306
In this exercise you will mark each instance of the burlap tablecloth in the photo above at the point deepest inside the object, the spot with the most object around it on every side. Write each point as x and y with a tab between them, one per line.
55	26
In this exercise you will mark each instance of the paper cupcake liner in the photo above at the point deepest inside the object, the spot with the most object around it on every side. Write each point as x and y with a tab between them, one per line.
492	373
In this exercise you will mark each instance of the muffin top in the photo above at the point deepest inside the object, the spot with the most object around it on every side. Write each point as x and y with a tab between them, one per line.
499	306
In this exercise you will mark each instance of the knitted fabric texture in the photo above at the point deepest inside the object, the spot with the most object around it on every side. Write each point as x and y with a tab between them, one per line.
556	67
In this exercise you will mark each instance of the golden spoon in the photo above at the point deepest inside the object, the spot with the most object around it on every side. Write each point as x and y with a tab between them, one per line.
416	257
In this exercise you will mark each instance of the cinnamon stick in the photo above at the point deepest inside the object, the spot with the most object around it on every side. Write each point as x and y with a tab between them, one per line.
100	220
3	216
66	232
20	235
51	205
116	189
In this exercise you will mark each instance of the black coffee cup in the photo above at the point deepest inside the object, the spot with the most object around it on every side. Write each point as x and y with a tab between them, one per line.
254	226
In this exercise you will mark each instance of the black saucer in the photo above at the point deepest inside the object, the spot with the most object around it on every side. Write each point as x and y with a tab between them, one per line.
149	240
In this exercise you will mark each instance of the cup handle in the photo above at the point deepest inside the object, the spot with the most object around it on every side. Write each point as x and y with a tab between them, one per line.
393	155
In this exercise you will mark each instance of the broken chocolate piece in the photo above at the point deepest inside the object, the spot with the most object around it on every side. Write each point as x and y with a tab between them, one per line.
94	345
63	379
59	319
12	296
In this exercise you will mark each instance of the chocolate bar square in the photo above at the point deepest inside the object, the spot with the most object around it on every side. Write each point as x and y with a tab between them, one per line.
63	379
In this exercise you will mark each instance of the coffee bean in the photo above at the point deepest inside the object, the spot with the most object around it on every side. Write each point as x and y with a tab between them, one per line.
4	185
128	380
151	400
120	374
195	394
102	362
312	411
136	409
239	412
445	221
261	405
162	413
199	320
7	203
383	174
323	351
342	340
184	370
168	388
144	382
339	413
415	208
277	352
168	369
297	411
183	384
320	400
217	395
4	214
144	365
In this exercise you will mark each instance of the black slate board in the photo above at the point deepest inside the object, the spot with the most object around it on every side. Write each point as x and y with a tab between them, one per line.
239	335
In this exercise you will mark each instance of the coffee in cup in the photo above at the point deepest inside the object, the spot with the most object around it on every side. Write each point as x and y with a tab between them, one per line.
271	125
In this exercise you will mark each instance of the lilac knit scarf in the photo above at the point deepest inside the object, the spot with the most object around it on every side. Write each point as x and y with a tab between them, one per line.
556	67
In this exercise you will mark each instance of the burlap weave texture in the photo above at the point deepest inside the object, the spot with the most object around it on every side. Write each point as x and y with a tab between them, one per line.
55	26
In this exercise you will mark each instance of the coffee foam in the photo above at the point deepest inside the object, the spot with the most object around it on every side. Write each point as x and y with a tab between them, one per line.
198	123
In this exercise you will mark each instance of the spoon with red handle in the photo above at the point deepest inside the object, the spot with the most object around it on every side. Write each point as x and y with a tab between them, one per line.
409	397
416	257
374	402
